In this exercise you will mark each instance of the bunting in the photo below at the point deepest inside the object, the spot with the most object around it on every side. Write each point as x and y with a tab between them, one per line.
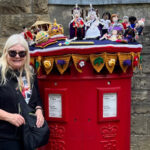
98	61
32	62
136	60
79	61
111	60
124	60
48	63
62	63
38	64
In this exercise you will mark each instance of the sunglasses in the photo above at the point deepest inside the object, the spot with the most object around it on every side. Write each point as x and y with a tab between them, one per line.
13	53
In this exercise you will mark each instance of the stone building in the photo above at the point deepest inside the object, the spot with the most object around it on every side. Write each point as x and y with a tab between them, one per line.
14	14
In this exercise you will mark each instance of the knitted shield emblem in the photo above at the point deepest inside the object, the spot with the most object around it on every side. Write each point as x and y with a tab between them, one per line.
62	63
98	61
122	57
111	60
79	61
48	63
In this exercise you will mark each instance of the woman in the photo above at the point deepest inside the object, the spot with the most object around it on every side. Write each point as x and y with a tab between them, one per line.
16	74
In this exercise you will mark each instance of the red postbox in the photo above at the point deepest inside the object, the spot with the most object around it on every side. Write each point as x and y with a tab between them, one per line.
86	91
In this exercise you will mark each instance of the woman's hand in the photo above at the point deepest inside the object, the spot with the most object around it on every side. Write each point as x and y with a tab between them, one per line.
40	118
15	119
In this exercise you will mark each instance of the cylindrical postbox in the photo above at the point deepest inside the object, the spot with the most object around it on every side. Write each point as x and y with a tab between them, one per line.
86	92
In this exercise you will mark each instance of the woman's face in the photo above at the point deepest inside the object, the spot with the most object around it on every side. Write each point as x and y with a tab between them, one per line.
16	56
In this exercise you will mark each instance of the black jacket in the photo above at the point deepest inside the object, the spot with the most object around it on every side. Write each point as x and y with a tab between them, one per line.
9	102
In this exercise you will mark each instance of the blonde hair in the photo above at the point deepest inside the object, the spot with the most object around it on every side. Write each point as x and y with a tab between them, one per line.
11	41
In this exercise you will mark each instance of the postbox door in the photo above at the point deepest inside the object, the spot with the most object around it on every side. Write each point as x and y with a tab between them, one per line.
95	115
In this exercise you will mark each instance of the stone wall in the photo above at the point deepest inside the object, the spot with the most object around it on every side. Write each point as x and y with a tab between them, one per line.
140	122
14	14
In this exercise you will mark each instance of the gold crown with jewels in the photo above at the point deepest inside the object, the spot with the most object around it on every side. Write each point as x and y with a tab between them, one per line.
55	29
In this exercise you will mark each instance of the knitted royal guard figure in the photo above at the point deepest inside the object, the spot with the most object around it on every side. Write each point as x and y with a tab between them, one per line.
77	27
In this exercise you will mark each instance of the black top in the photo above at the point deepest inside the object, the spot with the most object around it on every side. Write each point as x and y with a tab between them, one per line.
9	102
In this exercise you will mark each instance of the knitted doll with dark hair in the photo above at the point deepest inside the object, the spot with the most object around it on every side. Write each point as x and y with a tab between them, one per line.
106	22
129	34
132	21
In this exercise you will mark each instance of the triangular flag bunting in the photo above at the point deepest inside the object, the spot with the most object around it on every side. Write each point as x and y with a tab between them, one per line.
38	64
62	63
111	60
98	61
136	60
79	61
48	63
124	60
